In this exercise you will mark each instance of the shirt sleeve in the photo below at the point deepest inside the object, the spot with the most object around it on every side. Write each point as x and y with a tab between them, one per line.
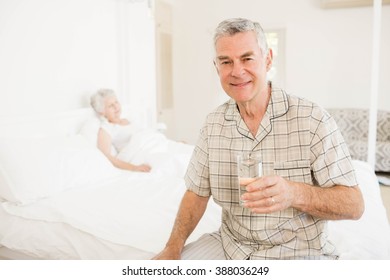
197	175
330	158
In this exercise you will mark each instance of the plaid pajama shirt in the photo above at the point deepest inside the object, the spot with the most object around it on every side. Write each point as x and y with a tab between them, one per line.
296	140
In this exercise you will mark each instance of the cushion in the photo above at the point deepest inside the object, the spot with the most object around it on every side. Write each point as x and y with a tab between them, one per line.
34	168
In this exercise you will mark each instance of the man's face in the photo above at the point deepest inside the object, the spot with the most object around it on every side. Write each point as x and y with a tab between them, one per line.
241	66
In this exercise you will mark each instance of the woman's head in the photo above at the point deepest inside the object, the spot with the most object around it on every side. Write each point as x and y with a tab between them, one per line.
105	103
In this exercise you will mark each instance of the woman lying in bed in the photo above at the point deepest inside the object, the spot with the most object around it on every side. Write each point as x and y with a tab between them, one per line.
115	132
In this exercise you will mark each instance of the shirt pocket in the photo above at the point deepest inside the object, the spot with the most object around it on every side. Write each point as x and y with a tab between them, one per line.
297	170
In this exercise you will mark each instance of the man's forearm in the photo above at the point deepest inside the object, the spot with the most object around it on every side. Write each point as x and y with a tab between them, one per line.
190	212
332	203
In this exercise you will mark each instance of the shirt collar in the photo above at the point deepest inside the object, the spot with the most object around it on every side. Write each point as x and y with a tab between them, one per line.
277	106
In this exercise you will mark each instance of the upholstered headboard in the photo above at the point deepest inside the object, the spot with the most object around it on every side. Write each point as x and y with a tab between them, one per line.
353	124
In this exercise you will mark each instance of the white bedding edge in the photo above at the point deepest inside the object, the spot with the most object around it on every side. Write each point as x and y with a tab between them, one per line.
8	254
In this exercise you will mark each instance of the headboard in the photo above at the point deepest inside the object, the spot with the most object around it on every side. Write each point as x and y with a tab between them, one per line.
66	123
353	124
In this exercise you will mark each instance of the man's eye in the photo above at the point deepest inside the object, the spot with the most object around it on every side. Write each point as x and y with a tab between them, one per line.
225	62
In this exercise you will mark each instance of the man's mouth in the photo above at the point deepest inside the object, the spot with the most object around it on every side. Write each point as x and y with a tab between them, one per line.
240	84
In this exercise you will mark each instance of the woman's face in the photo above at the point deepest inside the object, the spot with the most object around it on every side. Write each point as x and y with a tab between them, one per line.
112	109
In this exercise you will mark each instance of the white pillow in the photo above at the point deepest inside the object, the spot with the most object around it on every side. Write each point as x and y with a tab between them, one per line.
90	129
33	168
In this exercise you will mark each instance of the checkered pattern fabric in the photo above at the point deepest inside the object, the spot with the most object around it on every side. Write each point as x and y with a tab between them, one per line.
296	140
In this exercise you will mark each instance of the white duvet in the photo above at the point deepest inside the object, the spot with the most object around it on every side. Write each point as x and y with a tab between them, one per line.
138	210
166	157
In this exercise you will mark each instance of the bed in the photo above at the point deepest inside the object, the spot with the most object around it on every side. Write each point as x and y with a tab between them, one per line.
60	198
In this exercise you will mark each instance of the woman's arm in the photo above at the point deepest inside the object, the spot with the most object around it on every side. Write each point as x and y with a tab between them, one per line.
105	145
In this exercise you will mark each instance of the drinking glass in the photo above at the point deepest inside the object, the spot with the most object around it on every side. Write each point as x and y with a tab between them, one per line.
249	167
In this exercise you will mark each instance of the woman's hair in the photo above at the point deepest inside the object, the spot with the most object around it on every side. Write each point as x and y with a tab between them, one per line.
97	99
232	26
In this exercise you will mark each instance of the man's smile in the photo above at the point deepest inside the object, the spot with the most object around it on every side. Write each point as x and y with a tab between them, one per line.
243	84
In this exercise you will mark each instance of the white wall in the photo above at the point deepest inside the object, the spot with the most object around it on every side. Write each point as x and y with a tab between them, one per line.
328	54
55	53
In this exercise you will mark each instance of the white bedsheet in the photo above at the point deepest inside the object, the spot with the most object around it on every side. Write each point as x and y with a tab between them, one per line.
138	210
37	239
369	237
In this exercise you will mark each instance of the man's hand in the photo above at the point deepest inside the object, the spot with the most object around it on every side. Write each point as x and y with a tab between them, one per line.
273	193
190	212
167	254
269	194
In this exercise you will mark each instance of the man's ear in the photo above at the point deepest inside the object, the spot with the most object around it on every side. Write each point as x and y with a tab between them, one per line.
269	59
216	68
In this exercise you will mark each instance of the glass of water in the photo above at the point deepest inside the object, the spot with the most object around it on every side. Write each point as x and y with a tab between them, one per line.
249	167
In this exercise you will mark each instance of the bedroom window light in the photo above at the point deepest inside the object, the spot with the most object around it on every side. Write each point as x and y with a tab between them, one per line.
276	41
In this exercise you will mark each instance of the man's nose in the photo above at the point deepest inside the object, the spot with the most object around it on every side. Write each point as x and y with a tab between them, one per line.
238	69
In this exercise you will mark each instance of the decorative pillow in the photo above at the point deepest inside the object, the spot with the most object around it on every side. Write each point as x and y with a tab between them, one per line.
33	168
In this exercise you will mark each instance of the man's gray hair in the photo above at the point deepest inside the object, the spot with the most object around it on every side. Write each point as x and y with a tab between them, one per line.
97	99
232	26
